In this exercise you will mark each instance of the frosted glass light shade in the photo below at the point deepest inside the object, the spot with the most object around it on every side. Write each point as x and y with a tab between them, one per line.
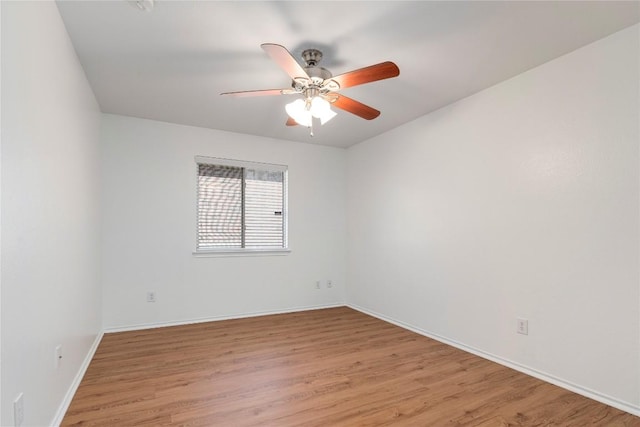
297	111
321	109
302	114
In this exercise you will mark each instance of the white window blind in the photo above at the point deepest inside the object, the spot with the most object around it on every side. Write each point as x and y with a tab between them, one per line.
241	206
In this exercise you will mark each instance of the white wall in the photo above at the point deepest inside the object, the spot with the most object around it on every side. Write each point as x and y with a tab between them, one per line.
149	199
50	211
0	217
520	201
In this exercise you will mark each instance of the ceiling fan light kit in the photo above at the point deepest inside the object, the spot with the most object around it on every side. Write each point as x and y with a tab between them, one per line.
303	111
318	87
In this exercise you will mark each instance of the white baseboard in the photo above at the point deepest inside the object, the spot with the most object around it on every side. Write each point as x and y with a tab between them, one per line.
141	326
592	394
62	409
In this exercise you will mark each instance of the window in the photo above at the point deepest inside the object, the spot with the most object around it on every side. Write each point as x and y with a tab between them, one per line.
241	206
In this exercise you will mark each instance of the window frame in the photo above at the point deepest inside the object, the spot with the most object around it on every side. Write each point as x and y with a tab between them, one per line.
252	251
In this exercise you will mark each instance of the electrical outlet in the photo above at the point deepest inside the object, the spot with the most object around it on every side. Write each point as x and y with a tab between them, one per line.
317	284
329	284
18	410
151	297
57	354
523	326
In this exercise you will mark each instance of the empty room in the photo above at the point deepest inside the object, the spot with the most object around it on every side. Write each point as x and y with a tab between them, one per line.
320	213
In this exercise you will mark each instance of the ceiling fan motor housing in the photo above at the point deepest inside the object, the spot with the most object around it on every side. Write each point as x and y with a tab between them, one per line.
317	74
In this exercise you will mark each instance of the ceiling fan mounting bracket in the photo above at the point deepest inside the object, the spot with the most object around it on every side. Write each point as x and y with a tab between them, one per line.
312	57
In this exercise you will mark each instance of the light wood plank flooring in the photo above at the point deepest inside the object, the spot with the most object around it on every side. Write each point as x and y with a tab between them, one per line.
333	367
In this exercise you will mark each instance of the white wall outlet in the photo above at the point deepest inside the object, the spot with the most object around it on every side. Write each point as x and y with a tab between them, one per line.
329	284
57	356
317	284
523	326
18	410
151	297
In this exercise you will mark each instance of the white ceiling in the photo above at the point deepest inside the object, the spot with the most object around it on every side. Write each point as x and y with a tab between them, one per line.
171	63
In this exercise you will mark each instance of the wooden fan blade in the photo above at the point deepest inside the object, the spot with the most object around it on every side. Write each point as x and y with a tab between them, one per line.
373	73
285	60
265	92
291	122
355	107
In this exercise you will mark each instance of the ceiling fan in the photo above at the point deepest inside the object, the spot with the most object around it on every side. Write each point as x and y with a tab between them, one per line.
319	88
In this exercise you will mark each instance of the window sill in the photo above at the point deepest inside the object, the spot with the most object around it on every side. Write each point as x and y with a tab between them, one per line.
240	252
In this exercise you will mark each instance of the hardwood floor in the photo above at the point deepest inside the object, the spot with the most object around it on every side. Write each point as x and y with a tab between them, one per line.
333	367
